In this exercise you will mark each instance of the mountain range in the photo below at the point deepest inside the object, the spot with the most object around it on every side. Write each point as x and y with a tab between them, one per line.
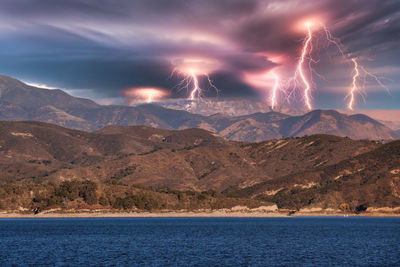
19	102
233	107
60	151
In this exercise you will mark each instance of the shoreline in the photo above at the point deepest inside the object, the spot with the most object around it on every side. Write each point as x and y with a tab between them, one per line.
216	214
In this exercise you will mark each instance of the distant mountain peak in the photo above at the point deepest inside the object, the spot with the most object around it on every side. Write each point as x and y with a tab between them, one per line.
9	79
364	119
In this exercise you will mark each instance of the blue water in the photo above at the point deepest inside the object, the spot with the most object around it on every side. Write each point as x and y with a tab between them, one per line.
200	241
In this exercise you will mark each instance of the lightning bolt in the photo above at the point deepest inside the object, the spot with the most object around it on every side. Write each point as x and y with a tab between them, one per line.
190	82
334	41
300	66
210	82
376	78
274	90
196	91
354	88
357	70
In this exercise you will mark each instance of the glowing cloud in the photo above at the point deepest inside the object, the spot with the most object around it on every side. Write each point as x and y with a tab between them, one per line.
146	94
268	83
38	85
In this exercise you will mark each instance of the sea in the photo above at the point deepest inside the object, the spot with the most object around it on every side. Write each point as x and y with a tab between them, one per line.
297	241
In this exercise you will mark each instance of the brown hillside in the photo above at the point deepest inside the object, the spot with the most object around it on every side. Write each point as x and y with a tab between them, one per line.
369	180
192	159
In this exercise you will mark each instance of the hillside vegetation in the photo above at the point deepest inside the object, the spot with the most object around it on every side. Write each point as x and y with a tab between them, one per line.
45	167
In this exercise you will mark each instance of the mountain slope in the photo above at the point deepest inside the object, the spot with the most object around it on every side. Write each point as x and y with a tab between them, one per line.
332	122
29	139
187	159
17	93
369	180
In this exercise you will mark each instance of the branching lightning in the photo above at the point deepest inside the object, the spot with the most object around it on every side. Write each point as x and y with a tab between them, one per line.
195	70
191	70
190	82
357	69
305	67
376	78
333	41
210	82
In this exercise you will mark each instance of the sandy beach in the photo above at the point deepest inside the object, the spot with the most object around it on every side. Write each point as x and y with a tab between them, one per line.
188	214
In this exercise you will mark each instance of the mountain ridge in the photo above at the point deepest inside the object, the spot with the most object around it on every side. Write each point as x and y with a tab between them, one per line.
19	101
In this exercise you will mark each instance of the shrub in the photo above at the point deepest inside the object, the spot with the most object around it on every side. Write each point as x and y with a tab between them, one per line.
88	192
124	203
68	190
54	200
361	208
71	190
201	196
124	172
344	207
103	201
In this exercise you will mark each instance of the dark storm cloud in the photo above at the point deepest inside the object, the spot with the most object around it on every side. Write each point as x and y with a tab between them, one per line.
350	20
108	45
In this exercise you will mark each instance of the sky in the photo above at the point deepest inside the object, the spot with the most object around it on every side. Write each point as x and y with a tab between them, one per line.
235	49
